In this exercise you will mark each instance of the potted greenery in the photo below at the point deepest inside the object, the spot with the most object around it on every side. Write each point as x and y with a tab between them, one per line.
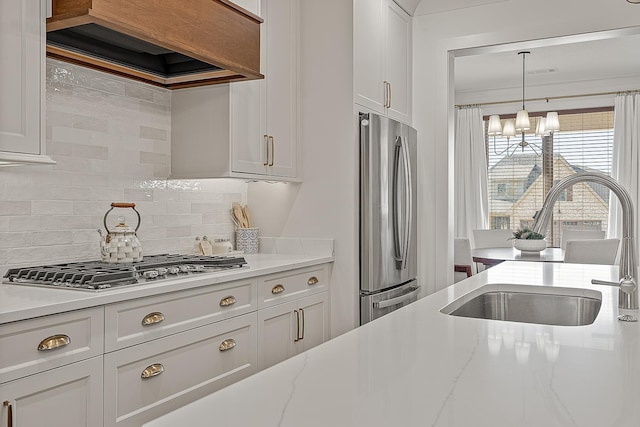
527	240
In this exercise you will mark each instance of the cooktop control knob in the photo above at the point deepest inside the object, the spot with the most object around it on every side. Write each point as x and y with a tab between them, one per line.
151	274
173	270
162	271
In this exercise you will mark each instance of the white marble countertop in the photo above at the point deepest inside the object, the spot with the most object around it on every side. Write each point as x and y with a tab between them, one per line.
19	302
418	366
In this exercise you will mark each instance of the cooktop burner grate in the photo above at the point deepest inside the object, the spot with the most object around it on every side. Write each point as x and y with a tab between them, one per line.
96	275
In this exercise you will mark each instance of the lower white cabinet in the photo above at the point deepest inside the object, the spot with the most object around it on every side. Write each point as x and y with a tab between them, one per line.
148	380
69	396
291	328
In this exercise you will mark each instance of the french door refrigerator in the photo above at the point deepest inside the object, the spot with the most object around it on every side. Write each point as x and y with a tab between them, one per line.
388	261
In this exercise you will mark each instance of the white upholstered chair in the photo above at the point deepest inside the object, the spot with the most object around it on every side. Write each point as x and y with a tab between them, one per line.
492	238
462	260
580	235
592	251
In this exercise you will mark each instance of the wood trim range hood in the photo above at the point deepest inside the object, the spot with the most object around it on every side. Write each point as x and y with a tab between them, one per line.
168	43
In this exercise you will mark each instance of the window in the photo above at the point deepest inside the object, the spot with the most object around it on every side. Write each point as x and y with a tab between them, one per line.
500	222
519	183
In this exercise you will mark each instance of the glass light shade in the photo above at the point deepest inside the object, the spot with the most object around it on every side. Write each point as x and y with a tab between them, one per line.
540	127
494	128
552	123
509	128
522	121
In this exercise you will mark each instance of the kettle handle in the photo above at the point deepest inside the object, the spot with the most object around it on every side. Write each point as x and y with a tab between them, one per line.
121	205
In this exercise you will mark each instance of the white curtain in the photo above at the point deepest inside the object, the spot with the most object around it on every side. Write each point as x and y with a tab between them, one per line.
471	204
626	158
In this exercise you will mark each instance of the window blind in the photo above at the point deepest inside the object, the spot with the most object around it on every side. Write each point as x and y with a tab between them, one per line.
519	179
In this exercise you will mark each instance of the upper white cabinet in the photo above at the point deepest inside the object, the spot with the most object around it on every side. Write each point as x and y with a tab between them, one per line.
22	71
245	129
383	58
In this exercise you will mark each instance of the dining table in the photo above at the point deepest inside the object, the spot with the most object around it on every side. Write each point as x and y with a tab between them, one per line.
493	256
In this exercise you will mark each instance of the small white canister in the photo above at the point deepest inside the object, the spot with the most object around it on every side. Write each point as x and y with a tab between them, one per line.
222	246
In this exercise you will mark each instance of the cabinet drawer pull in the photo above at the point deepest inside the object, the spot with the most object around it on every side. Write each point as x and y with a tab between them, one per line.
273	151
9	413
227	344
277	289
266	143
313	280
227	301
152	318
152	371
53	342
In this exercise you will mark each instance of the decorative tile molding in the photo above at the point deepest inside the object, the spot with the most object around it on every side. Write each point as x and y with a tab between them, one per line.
111	139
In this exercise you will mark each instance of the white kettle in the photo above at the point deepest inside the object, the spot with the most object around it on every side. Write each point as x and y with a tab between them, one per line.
121	244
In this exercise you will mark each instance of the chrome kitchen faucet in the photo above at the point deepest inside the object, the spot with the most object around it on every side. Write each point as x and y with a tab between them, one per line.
628	267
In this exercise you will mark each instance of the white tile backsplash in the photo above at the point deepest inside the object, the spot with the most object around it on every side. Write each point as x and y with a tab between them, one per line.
110	138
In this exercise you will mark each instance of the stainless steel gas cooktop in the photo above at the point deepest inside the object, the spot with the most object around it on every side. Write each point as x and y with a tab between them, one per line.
97	276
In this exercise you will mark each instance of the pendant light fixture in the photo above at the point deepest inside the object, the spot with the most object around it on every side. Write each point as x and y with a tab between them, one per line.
545	126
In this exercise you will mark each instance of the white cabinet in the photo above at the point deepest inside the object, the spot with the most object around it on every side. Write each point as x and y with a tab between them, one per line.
22	71
245	129
69	396
148	380
290	328
294	313
383	58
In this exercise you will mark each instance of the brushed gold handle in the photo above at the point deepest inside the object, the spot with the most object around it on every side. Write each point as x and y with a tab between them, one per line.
9	407
266	143
313	280
227	344
152	318
277	289
53	342
297	338
302	335
152	371
389	97
227	301
273	151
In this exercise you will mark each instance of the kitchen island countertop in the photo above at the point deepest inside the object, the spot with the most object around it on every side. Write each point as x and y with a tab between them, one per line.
18	302
418	366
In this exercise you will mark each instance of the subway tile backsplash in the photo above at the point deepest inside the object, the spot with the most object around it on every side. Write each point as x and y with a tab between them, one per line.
111	139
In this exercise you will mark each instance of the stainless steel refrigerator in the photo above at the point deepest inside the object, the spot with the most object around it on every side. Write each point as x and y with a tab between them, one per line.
388	261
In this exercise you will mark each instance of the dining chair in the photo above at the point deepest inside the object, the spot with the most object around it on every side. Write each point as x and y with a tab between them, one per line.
580	235
492	238
592	251
462	260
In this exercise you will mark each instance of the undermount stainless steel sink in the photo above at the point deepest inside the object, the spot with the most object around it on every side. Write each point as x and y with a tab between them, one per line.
530	307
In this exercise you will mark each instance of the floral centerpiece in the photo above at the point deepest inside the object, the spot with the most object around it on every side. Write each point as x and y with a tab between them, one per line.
527	240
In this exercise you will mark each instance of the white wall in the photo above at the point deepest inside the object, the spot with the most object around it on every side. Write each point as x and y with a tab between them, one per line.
111	138
325	204
436	36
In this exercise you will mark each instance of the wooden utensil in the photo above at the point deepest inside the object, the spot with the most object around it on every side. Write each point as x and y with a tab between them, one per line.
245	210
237	212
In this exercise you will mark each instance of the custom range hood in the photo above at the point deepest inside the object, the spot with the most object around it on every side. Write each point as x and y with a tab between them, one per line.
168	43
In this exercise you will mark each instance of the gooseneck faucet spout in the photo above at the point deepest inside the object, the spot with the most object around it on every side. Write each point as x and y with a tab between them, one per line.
628	295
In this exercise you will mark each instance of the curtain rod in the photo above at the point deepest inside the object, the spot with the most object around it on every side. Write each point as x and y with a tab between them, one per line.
547	98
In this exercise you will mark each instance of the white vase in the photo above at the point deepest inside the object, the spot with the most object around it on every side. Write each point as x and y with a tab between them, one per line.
530	245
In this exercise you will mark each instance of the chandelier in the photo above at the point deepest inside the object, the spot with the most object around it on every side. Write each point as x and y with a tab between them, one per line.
545	125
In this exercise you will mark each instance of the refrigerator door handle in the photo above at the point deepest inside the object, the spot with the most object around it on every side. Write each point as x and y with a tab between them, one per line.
398	246
397	300
408	203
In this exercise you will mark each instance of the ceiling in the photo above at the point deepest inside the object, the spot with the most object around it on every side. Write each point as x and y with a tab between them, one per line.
426	7
586	61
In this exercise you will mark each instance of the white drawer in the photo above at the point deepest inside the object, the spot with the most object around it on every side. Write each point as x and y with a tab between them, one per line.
176	312
35	345
192	365
293	284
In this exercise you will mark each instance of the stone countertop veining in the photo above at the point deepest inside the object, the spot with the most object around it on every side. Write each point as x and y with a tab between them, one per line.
19	302
418	366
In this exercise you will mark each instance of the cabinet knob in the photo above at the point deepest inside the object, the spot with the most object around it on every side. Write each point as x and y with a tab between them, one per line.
227	344
152	371
313	280
227	301
277	289
152	318
53	342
